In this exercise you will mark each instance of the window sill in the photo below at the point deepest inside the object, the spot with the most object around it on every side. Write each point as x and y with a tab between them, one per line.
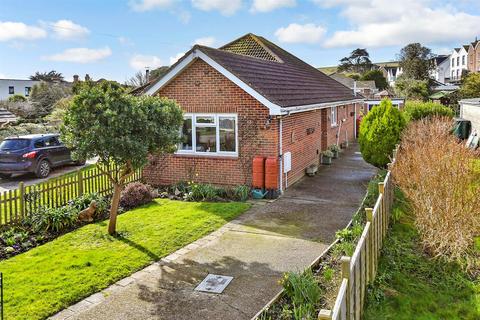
333	125
206	155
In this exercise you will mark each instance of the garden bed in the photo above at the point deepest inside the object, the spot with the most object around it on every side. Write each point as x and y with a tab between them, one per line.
325	273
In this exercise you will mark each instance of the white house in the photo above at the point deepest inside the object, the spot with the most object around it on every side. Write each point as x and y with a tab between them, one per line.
10	87
441	71
458	63
391	71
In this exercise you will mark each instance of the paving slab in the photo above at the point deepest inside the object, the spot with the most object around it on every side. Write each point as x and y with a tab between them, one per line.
255	249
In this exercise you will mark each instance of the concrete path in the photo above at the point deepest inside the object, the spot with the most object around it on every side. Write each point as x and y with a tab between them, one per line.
256	249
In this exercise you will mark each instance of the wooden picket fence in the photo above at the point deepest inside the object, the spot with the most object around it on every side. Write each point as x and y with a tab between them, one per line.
16	204
360	269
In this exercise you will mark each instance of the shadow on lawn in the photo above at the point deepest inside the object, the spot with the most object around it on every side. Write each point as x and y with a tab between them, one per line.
137	246
253	285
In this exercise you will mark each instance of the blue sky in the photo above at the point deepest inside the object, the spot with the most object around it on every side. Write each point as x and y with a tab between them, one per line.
112	39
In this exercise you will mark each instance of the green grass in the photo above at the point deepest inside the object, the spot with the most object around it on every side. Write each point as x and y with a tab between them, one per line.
48	278
411	285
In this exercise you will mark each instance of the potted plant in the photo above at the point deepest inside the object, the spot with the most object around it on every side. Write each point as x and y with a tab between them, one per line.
335	150
327	156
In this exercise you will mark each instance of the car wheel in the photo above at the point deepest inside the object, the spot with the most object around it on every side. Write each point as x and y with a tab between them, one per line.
43	169
5	175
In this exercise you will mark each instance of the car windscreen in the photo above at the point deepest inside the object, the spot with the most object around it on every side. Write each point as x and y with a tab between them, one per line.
14	144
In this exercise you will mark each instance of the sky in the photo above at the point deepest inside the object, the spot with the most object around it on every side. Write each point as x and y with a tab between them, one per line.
114	39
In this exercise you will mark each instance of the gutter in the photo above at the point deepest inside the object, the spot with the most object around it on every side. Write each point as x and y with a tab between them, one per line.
296	109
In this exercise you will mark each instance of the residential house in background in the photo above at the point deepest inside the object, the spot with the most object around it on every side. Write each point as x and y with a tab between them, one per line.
474	56
441	68
366	88
246	99
458	63
391	70
470	110
10	87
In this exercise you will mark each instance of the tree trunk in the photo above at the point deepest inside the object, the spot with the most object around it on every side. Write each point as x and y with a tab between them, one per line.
112	225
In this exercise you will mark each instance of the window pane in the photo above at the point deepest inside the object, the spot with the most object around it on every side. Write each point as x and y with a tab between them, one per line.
206	119
186	135
206	139
227	134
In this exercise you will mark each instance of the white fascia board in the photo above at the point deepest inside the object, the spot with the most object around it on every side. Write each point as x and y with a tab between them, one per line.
320	106
171	74
274	109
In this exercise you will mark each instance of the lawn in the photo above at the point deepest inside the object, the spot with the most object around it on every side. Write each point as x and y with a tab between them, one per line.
411	285
50	277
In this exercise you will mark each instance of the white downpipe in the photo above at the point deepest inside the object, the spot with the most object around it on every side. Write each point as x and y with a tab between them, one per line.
280	154
354	121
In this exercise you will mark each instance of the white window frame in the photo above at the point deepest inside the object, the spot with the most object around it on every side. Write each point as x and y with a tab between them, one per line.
216	117
333	116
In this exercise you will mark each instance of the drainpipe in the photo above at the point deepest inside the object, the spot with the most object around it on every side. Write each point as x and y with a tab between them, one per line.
280	154
354	121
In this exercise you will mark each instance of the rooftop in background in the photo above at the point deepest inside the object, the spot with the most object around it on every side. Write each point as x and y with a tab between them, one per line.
472	101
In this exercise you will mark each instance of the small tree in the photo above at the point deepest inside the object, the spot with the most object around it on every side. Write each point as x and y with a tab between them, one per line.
380	131
470	87
377	76
358	62
51	76
412	89
121	130
416	61
44	96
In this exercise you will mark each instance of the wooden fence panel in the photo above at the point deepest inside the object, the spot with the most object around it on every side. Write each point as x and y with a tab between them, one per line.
360	269
16	204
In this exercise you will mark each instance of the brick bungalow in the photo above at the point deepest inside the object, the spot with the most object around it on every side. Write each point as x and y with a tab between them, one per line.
250	98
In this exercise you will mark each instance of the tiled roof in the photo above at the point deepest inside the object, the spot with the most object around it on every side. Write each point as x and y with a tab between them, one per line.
291	82
277	75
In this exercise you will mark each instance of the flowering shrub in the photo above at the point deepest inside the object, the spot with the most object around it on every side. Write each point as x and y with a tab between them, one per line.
136	194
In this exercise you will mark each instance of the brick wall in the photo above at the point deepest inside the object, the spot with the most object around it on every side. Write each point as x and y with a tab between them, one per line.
199	89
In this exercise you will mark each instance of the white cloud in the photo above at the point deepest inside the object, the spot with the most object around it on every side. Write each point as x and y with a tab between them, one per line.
298	33
146	5
176	58
383	23
3	76
205	41
269	5
139	62
20	31
67	29
226	7
81	55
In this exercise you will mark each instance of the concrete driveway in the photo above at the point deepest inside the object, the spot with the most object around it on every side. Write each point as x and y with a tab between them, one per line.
30	179
255	249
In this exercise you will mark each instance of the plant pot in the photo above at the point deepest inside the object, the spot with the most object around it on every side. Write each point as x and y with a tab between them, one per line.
326	160
335	154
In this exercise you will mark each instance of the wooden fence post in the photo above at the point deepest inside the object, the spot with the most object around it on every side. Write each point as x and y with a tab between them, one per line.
383	212
345	261
21	190
325	315
371	245
80	182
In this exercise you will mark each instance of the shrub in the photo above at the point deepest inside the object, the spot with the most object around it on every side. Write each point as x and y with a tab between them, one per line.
136	194
327	153
204	192
17	98
53	219
304	292
416	110
84	201
380	131
334	148
44	96
437	176
411	88
241	193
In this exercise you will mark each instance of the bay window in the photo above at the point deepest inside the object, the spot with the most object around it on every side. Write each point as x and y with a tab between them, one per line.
209	134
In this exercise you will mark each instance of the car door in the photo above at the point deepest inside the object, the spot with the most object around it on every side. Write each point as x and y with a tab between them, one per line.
65	154
55	152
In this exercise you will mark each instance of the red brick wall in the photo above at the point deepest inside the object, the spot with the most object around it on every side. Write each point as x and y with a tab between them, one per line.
343	112
201	88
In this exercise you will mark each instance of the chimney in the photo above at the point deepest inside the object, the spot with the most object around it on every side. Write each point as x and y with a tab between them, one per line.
75	78
87	77
147	74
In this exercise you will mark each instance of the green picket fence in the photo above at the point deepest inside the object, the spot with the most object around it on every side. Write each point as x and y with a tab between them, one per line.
55	192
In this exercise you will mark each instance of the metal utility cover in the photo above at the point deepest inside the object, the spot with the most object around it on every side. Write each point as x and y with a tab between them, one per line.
214	283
